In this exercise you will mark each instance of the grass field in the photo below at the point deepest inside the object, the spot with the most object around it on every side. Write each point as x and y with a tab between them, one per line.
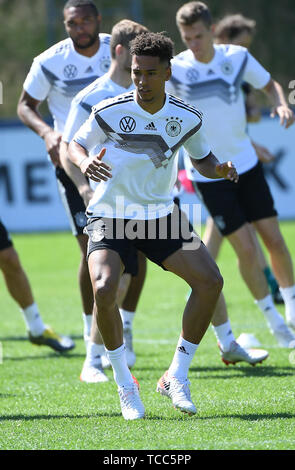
45	406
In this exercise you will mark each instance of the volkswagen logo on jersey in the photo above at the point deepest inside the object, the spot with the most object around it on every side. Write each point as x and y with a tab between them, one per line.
127	124
192	75
70	71
173	128
105	64
227	67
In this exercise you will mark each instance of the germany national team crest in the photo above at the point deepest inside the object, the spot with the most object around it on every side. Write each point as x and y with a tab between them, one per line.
227	67
127	124
70	71
173	127
192	75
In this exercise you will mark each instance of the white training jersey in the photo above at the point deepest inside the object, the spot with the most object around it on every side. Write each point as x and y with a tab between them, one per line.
215	88
141	150
60	72
101	89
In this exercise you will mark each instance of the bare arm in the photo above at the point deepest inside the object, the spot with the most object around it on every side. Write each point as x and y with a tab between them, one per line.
213	169
280	106
28	112
80	181
91	167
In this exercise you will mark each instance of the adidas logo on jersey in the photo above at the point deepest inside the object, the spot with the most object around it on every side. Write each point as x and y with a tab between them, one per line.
210	72
89	70
150	127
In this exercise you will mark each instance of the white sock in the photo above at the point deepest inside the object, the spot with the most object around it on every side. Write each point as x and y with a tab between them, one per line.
288	294
87	319
33	320
127	318
182	359
122	374
270	312
224	335
94	353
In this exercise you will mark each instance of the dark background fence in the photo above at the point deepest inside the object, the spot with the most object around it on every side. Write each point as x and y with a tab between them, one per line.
30	26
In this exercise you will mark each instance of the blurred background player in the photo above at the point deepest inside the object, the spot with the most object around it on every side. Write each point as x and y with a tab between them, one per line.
115	82
211	76
236	29
20	290
57	75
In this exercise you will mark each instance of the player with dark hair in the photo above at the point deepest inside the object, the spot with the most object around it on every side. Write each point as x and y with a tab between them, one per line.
239	30
135	138
57	75
19	287
116	81
211	75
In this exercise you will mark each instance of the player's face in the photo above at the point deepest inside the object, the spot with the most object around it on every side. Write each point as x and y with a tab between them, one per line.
149	76
82	26
198	37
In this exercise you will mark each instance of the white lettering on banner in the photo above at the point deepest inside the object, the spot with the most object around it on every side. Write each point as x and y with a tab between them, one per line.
29	199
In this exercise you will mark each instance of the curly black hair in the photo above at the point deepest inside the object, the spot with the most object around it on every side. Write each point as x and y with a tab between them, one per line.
153	44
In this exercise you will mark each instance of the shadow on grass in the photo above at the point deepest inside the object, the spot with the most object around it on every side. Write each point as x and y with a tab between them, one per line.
230	372
252	416
25	338
177	417
52	355
50	417
8	395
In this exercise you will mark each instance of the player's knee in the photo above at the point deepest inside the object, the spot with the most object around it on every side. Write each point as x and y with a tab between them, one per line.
211	283
105	293
217	281
9	260
276	243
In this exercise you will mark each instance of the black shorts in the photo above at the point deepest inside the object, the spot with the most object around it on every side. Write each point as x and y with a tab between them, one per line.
157	239
72	202
231	205
5	241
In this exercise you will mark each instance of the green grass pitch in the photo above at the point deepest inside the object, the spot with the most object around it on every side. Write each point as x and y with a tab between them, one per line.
43	405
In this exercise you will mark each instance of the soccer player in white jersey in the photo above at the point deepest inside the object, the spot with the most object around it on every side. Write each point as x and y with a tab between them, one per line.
135	138
19	287
57	75
211	75
239	30
115	82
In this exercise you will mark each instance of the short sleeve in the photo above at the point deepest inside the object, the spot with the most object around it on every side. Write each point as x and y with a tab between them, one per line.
76	118
255	73
90	134
36	83
197	145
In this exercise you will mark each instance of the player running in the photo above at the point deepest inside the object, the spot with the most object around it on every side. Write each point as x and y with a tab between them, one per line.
211	75
236	29
113	83
57	75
